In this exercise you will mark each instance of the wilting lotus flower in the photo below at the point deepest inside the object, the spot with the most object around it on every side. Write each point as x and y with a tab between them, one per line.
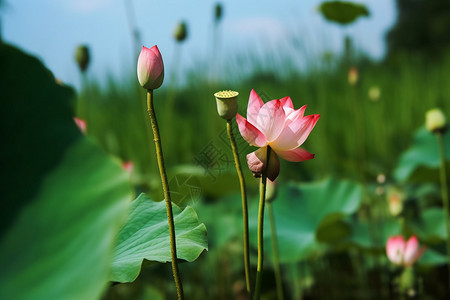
150	68
403	253
278	125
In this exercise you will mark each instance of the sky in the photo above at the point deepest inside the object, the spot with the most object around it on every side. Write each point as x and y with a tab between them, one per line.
52	29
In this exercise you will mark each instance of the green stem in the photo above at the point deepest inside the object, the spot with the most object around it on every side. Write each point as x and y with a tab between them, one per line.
165	184
262	200
244	206
444	191
276	255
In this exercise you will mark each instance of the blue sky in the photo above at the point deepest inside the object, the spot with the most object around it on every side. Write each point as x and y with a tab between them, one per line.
51	30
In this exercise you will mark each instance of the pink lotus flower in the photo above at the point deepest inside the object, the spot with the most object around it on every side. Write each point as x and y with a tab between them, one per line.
278	125
81	124
150	68
403	253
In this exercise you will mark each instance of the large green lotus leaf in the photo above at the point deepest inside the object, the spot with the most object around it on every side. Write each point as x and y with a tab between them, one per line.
343	12
63	199
421	161
300	210
430	226
223	218
372	236
146	236
433	257
189	181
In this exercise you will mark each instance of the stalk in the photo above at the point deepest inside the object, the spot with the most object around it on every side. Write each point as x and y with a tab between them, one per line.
165	184
244	206
262	200
444	191
276	255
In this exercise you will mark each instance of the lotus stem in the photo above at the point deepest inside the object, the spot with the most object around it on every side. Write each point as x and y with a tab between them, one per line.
444	191
276	255
165	184
262	200
244	206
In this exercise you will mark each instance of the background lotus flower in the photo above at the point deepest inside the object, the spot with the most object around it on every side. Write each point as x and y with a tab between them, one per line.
403	253
150	68
81	124
278	125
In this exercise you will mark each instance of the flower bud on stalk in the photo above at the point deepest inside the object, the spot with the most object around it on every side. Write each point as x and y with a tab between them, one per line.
353	76
150	68
435	120
218	12
271	190
82	57
180	33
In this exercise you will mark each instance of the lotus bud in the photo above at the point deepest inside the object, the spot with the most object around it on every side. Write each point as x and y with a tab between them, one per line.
218	12
374	93
128	166
180	33
271	190
150	68
81	124
395	201
257	163
435	120
227	104
353	76
82	57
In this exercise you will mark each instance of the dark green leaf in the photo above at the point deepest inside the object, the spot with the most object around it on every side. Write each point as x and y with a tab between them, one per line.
63	199
343	12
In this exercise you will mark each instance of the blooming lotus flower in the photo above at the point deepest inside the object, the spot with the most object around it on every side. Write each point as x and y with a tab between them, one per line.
150	68
403	253
278	125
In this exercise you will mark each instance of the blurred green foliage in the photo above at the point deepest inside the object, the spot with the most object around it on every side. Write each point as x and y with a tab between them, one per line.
422	28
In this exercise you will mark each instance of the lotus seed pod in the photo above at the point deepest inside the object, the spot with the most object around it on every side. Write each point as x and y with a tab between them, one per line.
435	120
180	32
218	12
227	104
82	57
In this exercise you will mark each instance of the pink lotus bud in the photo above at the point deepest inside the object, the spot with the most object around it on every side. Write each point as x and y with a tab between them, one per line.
353	76
150	68
81	124
403	253
128	166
